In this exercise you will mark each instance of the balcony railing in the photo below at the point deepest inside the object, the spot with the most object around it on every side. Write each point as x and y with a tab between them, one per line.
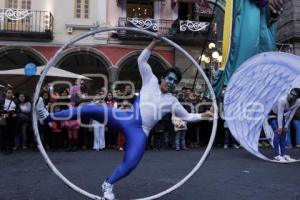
180	30
20	24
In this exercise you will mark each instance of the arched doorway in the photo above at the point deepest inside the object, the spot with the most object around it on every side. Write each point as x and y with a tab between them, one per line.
129	71
18	57
87	61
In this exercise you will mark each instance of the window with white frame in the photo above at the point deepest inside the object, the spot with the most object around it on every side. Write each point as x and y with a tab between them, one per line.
12	3
26	4
19	4
19	25
82	8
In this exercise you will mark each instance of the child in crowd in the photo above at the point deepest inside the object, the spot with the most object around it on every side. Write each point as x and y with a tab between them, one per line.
73	127
56	132
121	139
180	127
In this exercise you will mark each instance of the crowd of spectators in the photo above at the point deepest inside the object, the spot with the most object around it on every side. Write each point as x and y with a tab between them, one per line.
16	131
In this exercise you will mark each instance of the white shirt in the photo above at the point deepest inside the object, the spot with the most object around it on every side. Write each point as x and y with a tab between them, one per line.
283	109
153	103
8	105
25	107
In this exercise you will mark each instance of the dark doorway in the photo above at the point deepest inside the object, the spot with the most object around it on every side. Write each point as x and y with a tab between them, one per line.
129	70
18	58
86	62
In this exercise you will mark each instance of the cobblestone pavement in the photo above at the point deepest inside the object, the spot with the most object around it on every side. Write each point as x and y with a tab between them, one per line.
227	174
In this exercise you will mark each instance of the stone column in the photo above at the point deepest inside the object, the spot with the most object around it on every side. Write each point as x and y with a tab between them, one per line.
113	75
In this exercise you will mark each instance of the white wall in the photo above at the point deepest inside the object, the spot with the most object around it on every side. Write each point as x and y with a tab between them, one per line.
41	5
167	11
63	12
101	11
113	13
2	3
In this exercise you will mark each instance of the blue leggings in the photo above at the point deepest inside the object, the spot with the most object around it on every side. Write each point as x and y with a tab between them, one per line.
279	139
296	124
127	122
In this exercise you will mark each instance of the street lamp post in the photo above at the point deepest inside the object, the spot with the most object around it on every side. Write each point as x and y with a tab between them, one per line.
212	60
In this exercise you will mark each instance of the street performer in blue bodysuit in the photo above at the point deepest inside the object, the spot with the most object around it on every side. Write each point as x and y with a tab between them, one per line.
154	102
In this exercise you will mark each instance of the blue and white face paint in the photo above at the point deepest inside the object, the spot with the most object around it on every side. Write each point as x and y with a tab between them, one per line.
293	96
171	80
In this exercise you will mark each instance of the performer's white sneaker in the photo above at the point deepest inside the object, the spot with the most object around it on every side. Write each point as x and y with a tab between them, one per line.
288	158
280	158
41	111
107	190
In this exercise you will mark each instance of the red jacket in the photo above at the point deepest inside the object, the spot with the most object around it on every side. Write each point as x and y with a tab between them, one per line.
56	126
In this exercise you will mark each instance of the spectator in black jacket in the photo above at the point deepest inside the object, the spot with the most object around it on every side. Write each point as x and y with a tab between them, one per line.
9	109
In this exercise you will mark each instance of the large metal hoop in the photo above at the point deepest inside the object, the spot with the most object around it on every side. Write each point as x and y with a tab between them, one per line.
54	59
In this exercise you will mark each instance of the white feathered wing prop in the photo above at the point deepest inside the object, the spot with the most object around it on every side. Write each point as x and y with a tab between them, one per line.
253	90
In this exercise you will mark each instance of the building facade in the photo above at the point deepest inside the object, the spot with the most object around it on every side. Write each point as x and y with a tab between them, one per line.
288	36
31	31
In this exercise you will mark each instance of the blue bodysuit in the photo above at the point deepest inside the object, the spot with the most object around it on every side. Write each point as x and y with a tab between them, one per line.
150	106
